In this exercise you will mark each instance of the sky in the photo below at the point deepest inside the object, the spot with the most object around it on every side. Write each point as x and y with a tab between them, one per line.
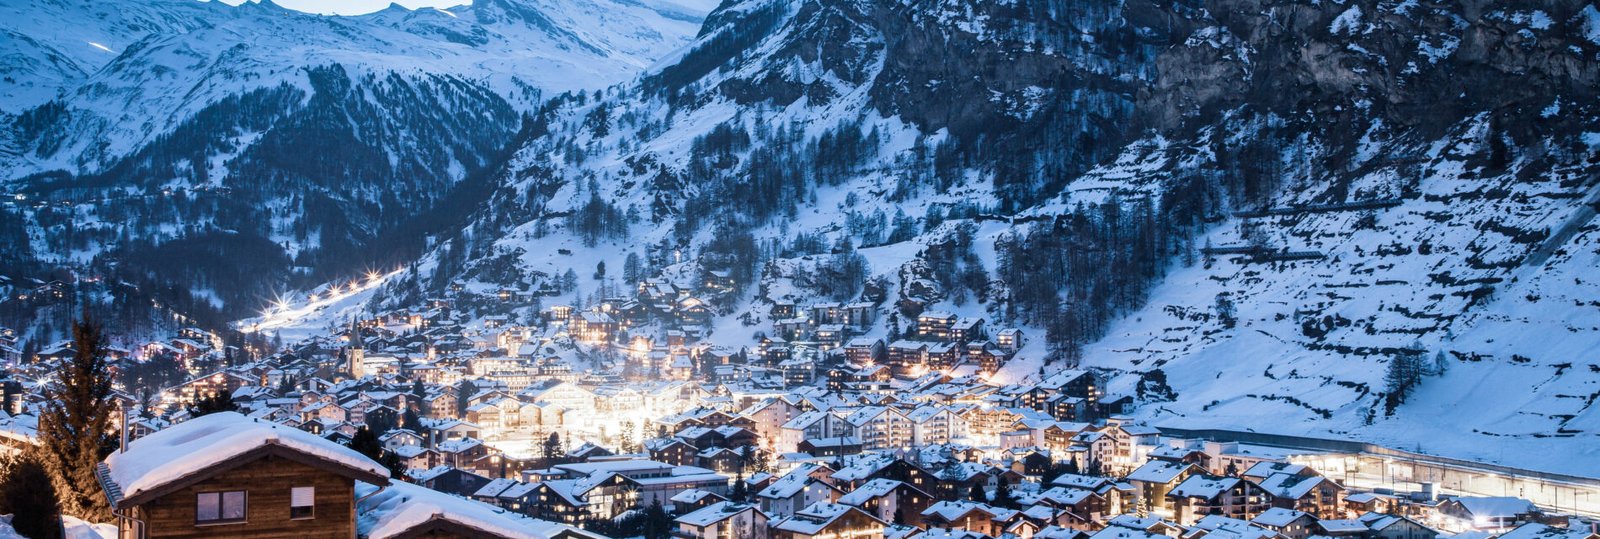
353	7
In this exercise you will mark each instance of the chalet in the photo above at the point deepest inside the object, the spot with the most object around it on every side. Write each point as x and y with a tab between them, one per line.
829	520
941	356
907	358
811	425
240	478
796	490
673	451
890	501
1200	495
1287	522
1155	479
1489	513
1311	493
1084	506
781	310
1370	502
831	447
863	351
449	480
881	427
859	315
593	327
1009	340
974	516
1381	526
723	520
935	325
694	499
966	329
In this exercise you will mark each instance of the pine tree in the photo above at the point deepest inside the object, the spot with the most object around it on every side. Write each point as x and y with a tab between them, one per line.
657	523
977	494
210	404
741	490
73	428
1405	371
630	269
552	448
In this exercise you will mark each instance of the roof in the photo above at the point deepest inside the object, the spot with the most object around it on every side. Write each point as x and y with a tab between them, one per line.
872	489
217	442
1119	532
1540	531
1203	486
1278	517
714	513
1343	525
384	513
1294	487
1159	471
1495	506
1264	469
791	483
812	520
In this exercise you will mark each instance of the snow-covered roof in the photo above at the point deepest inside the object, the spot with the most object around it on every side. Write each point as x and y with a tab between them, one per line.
1342	525
1289	486
402	507
219	440
715	513
1159	471
1540	531
867	492
1495	506
1278	517
1119	532
1203	486
816	518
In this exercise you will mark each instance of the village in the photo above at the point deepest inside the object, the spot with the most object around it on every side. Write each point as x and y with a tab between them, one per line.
622	419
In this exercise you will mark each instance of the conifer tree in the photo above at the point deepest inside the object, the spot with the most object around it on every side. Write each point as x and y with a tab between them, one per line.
27	494
74	426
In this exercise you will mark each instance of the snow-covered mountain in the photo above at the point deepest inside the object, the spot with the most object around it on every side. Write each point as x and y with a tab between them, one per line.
119	74
1244	214
277	147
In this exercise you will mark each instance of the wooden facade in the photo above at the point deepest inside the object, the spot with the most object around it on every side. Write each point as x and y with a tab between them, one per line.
267	476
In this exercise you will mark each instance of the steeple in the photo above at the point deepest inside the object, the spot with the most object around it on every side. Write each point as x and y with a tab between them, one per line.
357	354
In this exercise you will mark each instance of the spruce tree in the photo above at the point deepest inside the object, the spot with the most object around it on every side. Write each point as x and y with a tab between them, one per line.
74	426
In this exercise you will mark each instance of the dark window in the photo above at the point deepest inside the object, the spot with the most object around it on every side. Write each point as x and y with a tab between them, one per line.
219	507
301	502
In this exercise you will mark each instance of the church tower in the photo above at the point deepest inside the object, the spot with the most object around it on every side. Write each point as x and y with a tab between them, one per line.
357	354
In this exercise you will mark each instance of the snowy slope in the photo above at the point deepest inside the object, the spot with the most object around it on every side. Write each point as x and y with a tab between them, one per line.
1447	271
128	75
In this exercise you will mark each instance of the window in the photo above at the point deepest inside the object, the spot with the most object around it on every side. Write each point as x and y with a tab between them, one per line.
219	507
301	502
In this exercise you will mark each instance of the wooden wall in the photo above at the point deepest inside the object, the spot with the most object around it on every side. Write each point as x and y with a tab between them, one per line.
268	481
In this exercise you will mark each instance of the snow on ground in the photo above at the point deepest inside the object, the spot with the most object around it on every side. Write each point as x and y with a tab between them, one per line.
1314	337
191	57
314	313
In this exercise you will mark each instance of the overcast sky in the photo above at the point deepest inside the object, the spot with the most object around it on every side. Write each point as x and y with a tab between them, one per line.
354	7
